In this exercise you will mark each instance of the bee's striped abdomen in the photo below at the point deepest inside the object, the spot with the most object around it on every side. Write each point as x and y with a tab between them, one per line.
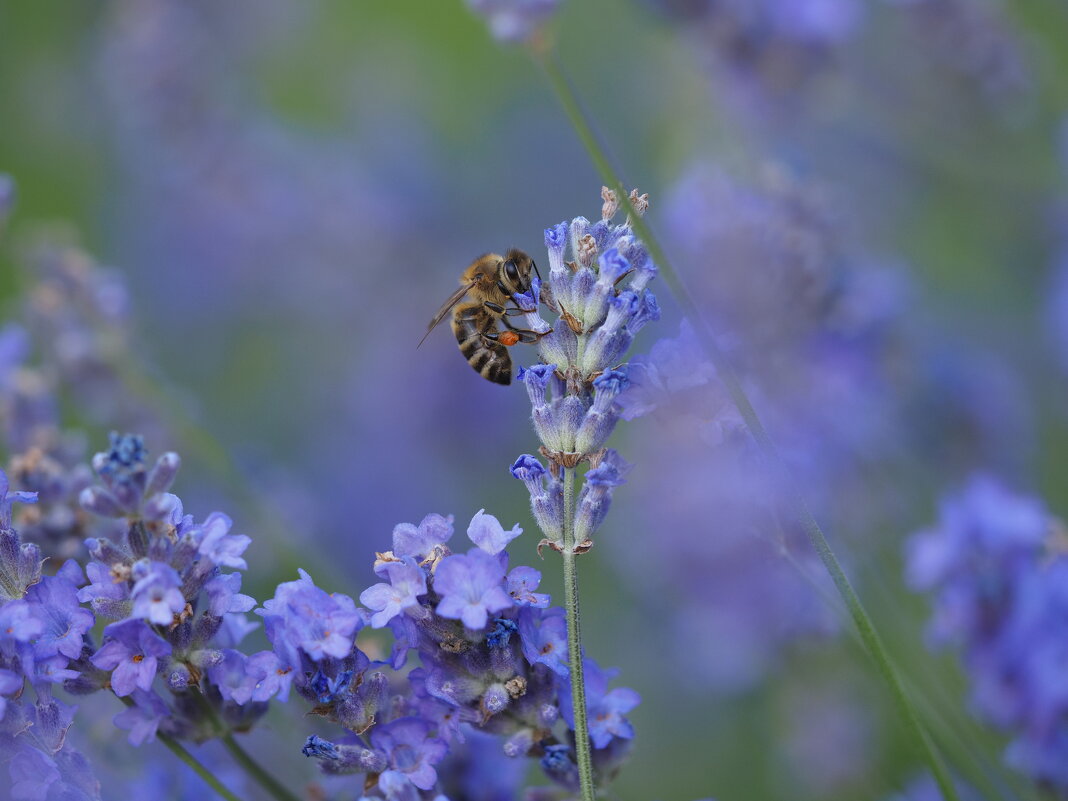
489	359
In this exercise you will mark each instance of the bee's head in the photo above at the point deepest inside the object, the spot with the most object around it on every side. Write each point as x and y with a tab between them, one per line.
516	271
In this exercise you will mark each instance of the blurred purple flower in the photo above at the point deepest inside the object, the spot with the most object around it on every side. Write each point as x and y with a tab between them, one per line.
142	719
997	570
606	707
303	618
412	754
514	20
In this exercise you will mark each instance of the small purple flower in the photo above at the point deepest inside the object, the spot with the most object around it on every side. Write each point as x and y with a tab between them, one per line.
18	624
406	583
156	595
267	677
596	495
487	533
102	584
412	755
522	582
230	675
303	618
544	638
219	545
529	301
419	541
223	595
54	601
470	588
143	718
605	707
132	652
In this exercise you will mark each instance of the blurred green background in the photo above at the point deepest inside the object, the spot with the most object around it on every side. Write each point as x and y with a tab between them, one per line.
302	377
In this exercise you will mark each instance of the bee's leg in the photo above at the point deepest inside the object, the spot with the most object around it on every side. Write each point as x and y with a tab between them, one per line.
506	338
525	334
496	308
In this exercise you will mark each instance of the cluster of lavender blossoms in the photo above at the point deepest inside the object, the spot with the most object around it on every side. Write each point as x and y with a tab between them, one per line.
997	566
172	619
492	660
574	390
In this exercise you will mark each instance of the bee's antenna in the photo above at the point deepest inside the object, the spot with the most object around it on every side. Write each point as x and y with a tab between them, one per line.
534	264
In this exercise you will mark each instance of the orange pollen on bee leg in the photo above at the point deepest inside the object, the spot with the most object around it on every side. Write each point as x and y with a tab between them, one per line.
508	338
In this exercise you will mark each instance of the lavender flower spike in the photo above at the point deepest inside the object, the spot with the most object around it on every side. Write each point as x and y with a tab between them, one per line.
602	303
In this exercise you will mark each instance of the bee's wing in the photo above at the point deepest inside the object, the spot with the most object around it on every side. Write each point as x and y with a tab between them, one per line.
446	307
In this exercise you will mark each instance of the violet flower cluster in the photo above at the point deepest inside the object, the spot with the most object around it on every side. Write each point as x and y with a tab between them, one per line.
770	45
76	325
996	565
769	49
492	660
598	274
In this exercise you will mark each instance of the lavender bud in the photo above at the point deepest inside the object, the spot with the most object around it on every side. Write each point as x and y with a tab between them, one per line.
601	417
163	474
100	502
611	267
520	743
494	700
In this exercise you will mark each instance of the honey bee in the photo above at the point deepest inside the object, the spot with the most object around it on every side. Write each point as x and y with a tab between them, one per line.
481	302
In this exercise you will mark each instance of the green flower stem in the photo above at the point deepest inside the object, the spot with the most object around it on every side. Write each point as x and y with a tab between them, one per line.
242	757
866	629
179	751
574	642
256	771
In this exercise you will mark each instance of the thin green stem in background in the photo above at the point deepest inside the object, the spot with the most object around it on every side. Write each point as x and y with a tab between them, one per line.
568	98
574	642
179	751
242	757
256	771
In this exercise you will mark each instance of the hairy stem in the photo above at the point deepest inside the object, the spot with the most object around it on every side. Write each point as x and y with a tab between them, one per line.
256	771
865	627
574	642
